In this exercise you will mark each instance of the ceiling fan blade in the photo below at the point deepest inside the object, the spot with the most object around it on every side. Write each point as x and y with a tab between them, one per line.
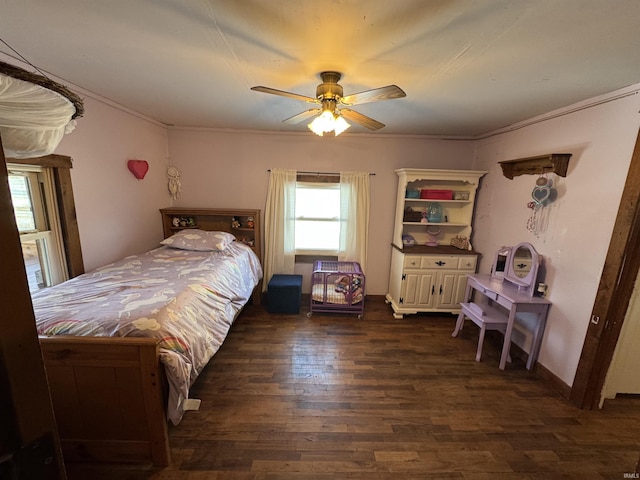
375	95
285	94
303	116
363	120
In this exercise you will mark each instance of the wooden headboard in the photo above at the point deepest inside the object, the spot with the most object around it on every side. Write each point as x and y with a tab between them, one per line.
244	224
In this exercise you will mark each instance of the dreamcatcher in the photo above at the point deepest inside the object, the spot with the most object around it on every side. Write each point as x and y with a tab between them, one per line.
174	182
543	194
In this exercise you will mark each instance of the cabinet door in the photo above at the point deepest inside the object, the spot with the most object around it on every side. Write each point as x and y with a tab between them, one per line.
418	289
408	292
460	288
446	290
427	290
450	289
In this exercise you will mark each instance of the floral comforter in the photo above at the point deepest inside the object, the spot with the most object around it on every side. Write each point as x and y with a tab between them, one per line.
188	299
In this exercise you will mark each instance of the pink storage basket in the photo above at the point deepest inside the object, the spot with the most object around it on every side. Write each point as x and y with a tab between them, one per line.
436	194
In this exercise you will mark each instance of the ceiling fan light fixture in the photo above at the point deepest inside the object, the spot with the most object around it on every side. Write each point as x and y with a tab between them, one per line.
340	125
330	95
328	121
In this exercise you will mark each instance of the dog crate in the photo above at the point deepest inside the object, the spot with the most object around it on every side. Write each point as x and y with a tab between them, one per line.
337	287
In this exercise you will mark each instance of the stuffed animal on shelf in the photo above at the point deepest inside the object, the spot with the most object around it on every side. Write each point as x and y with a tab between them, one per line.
235	222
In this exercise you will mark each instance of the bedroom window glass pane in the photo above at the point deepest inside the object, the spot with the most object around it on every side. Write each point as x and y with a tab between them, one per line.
34	252
22	206
317	218
34	204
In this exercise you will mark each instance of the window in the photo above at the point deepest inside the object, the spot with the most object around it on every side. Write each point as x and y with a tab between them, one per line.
317	225
34	204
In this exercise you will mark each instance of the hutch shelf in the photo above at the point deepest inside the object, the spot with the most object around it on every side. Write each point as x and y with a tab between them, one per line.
427	273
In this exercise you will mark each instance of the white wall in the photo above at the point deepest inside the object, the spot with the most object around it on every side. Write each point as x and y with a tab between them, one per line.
117	214
229	169
601	139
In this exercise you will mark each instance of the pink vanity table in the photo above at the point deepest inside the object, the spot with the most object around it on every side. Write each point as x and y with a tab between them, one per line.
511	286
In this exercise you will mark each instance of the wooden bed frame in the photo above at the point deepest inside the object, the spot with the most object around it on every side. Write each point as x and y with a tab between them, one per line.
108	393
108	400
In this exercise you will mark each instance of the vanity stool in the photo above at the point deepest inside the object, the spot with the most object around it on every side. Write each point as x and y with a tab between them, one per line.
485	316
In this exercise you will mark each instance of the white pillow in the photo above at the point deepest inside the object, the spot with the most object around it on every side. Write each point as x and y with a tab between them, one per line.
199	240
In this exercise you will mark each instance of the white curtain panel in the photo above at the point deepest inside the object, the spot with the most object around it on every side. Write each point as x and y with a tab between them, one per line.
280	217
354	215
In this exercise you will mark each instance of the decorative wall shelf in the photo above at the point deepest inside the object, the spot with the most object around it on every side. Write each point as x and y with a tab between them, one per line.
557	163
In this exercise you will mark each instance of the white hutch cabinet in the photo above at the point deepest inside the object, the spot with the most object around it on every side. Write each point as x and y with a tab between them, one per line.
428	274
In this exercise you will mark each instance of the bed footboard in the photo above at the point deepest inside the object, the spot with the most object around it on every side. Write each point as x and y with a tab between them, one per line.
108	399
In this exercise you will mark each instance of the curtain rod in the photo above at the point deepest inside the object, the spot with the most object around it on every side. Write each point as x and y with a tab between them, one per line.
327	174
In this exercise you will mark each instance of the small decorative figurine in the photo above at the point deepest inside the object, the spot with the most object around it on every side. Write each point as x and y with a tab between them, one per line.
174	182
248	241
249	222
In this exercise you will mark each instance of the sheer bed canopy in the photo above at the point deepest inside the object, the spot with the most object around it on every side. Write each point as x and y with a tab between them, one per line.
35	112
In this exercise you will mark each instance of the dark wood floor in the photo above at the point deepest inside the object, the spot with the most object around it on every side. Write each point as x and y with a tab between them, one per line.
332	397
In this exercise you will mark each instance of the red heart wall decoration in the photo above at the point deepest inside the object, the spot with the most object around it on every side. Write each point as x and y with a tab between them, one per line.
139	168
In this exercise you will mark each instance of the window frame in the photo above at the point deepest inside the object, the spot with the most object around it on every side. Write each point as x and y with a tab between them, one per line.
61	169
332	181
47	231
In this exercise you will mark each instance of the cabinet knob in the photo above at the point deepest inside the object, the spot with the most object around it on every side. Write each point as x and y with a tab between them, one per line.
440	263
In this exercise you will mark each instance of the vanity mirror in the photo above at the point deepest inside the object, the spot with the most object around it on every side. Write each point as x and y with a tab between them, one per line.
522	267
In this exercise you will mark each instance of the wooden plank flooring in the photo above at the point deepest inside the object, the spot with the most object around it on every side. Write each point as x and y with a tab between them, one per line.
332	397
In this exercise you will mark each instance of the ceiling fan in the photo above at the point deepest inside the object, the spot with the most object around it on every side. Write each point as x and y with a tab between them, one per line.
331	114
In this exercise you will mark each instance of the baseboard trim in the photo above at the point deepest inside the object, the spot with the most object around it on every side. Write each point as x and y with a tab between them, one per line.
542	372
553	380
